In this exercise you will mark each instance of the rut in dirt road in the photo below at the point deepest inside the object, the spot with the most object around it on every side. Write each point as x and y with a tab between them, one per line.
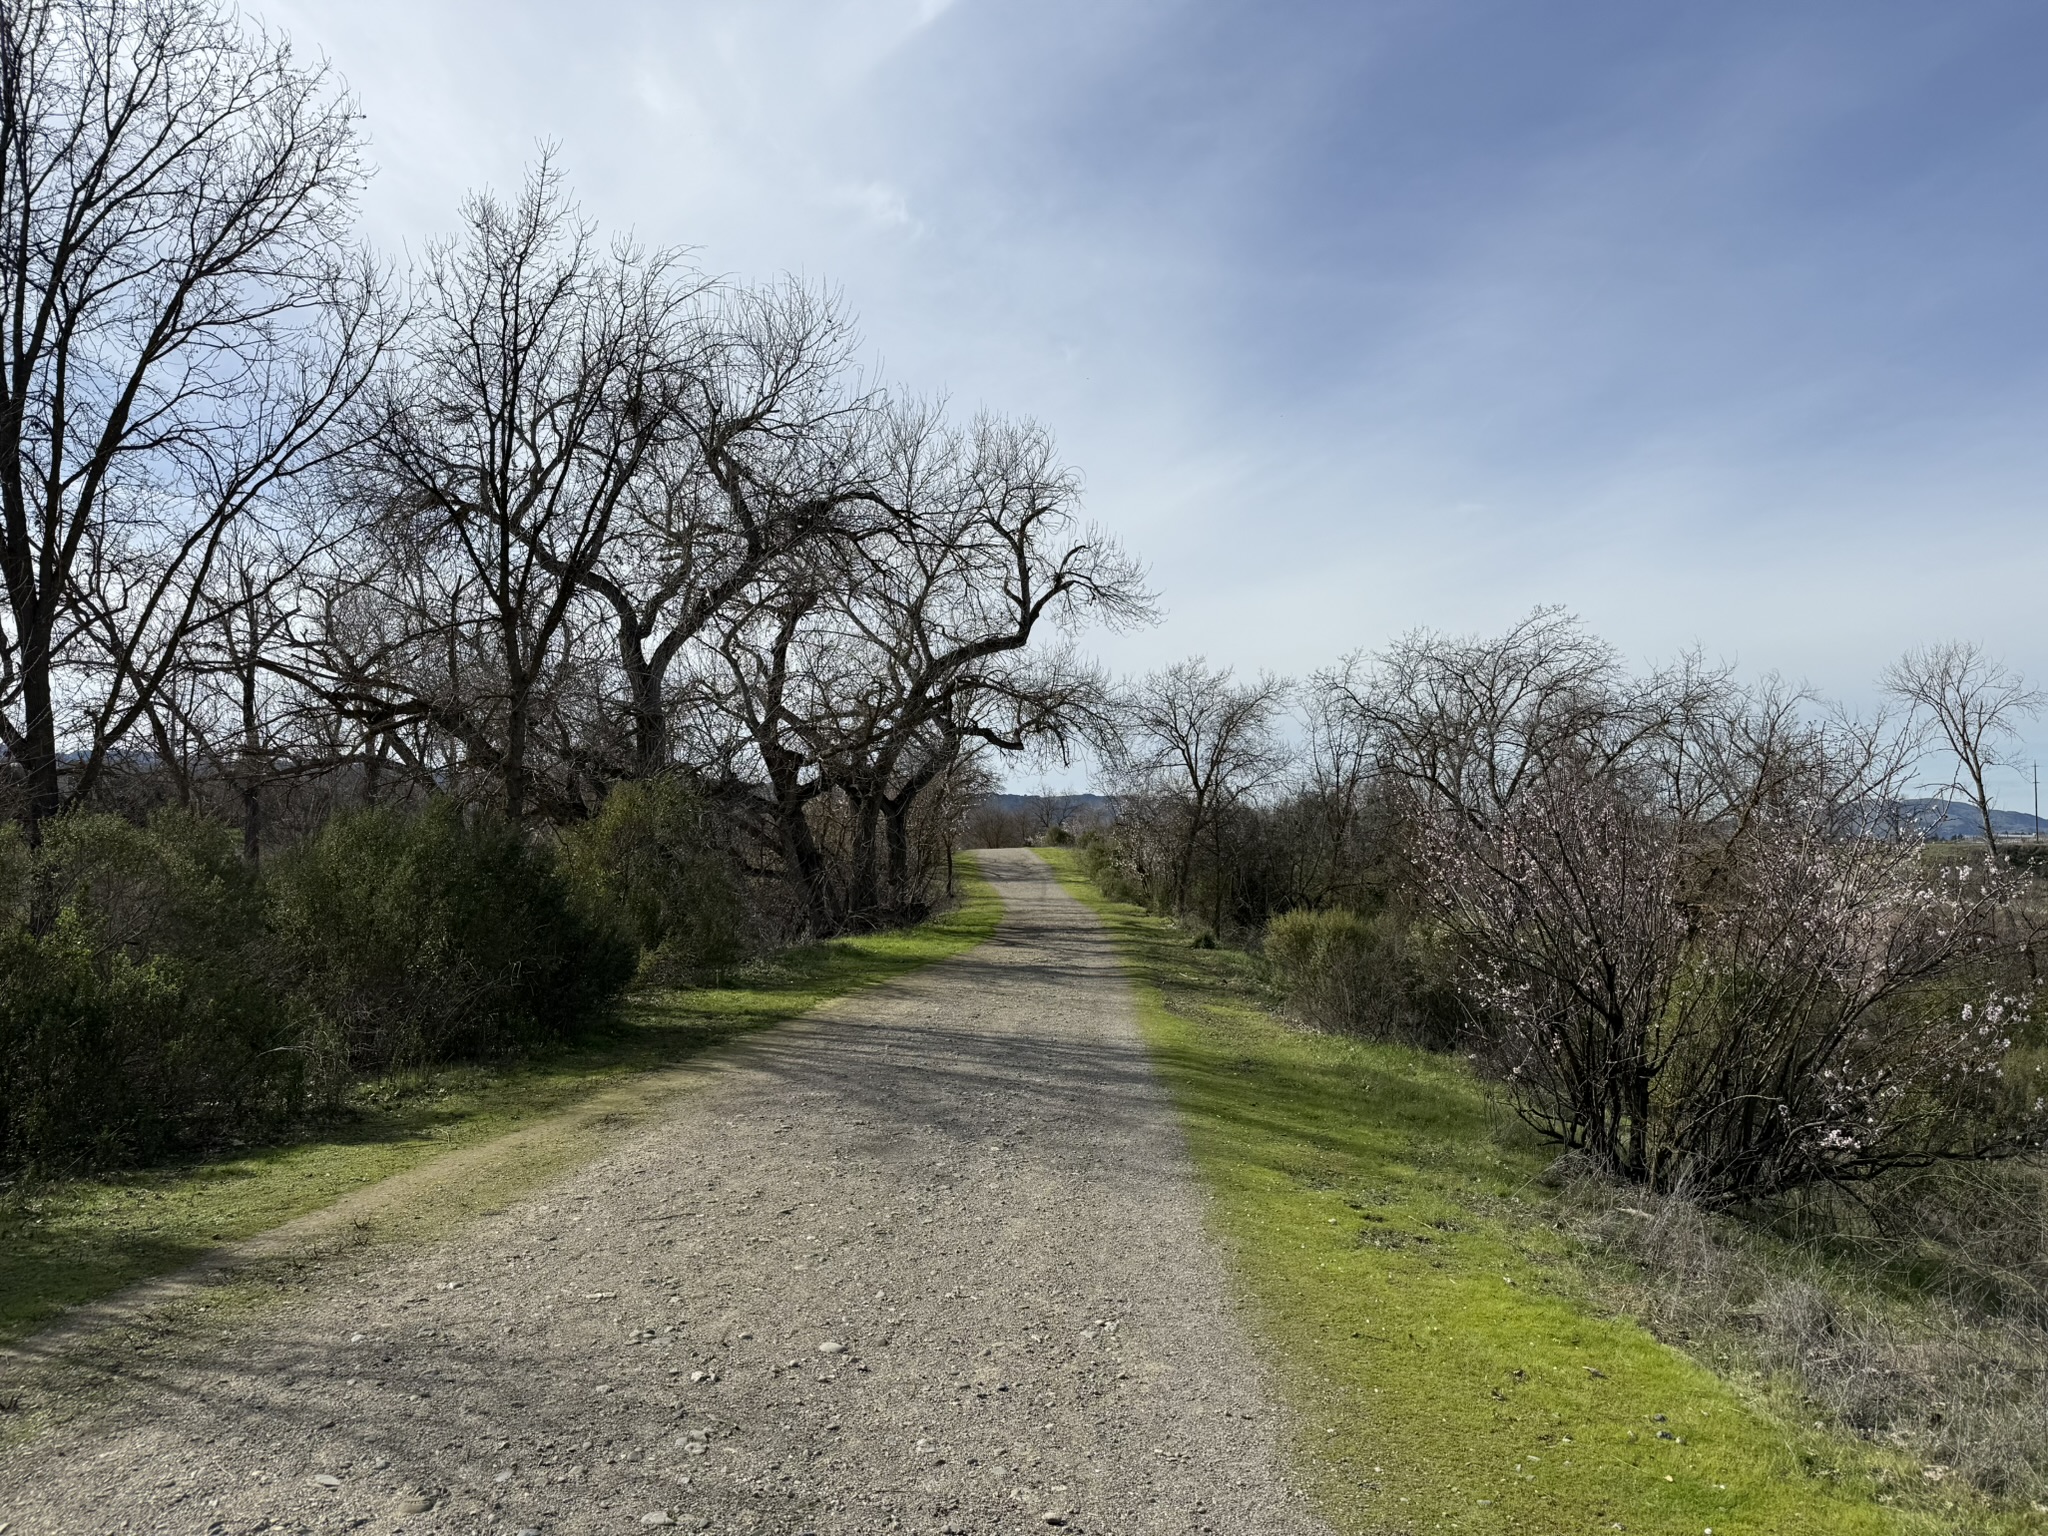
930	1260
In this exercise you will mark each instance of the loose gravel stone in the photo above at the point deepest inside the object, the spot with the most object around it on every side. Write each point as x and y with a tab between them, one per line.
953	1178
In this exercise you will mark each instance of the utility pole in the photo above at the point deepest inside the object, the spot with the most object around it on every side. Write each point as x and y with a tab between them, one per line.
2037	802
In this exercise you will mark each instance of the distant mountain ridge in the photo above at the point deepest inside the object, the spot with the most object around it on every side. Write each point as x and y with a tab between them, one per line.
1945	821
1100	805
1939	821
1013	821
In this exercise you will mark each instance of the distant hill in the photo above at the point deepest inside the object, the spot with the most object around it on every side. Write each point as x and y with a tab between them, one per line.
1939	821
1098	806
1011	821
1943	821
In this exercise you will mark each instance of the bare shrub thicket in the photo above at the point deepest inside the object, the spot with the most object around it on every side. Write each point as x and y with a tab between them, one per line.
1255	810
1690	922
1695	934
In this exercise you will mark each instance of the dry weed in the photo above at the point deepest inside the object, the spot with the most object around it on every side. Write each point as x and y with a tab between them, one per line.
1913	1315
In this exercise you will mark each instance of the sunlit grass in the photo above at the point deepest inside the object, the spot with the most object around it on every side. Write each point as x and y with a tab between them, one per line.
1449	1368
65	1244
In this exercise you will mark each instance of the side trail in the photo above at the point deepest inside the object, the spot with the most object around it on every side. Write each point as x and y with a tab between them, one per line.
931	1260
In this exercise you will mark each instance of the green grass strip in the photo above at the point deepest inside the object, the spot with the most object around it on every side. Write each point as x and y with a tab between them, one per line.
62	1245
1447	1367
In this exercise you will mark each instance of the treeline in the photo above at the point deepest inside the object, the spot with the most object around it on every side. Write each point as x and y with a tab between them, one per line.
381	652
1688	923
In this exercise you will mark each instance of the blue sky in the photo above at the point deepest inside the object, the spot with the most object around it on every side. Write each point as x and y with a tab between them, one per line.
1722	325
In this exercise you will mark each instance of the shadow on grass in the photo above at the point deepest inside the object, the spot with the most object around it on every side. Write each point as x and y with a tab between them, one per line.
65	1244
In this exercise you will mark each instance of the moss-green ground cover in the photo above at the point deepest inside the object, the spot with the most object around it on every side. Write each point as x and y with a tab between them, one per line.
1449	1369
65	1244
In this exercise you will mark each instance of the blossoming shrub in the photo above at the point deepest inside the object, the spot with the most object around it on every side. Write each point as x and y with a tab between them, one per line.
1705	951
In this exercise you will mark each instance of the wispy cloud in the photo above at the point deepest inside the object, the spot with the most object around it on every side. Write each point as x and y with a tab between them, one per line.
878	204
1717	323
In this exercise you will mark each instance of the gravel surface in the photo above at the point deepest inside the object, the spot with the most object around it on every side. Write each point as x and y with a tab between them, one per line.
930	1260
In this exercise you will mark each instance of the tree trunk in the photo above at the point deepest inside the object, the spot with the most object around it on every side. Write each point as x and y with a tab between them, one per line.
513	770
644	700
801	849
39	733
864	896
252	749
252	823
896	823
806	864
1983	800
1216	875
650	726
1183	872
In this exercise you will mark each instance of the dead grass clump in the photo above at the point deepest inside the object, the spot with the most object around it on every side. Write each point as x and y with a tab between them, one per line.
1913	1315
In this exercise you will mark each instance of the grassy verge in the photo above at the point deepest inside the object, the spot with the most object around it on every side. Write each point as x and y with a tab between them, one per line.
66	1244
1451	1367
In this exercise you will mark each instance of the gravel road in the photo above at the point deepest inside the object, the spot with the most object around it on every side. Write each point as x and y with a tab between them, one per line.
929	1260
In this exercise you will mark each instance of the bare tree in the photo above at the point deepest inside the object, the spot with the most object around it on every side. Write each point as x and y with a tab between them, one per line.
868	664
1050	812
761	719
235	701
771	451
1975	704
1475	720
979	550
182	325
1337	780
537	390
1204	743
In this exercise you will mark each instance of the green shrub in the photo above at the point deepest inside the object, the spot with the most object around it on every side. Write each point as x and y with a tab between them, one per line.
172	999
177	887
1103	859
15	866
147	1020
1373	975
653	866
426	937
1316	956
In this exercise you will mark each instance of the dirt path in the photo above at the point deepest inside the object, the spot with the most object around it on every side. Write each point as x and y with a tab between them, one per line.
929	1261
